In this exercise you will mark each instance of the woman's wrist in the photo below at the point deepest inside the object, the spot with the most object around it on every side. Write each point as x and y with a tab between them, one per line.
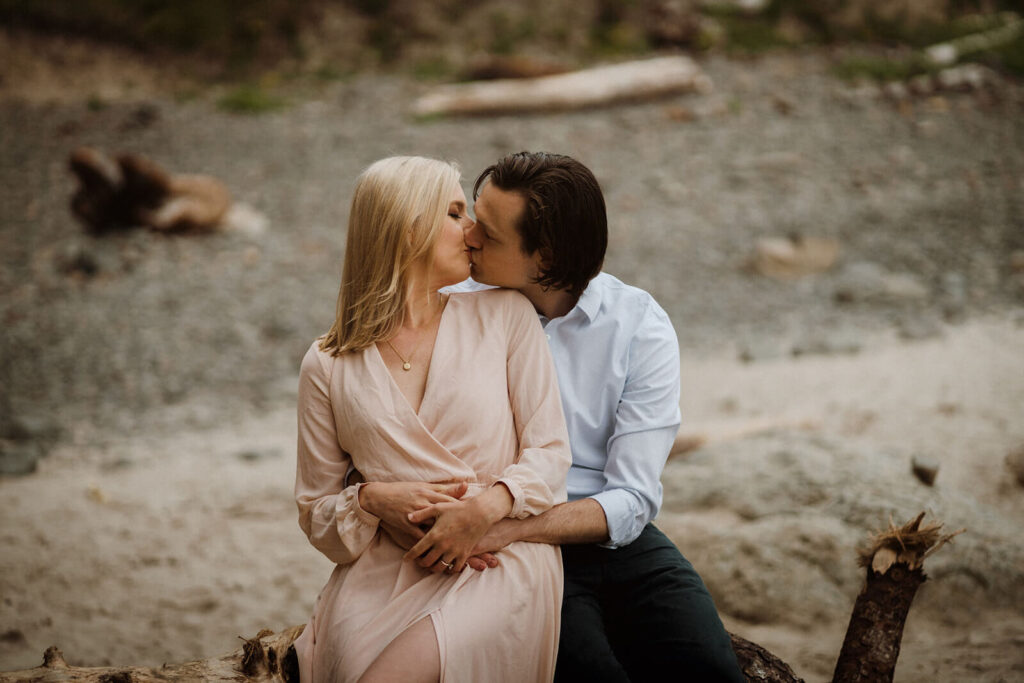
495	503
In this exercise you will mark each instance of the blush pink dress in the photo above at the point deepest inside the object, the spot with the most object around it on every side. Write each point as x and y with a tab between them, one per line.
490	412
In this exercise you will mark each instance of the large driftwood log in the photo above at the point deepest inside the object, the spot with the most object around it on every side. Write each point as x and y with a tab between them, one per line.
644	79
263	659
894	560
759	665
266	659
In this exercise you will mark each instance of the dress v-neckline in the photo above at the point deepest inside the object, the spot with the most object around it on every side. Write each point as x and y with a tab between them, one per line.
430	367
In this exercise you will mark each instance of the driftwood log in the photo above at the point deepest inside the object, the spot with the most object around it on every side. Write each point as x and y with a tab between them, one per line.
604	85
268	658
134	191
894	568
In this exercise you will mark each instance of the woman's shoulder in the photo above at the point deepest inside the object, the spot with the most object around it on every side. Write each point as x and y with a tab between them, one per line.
318	361
495	300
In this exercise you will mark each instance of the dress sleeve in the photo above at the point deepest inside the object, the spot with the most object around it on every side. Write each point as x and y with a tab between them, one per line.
537	477
329	513
646	422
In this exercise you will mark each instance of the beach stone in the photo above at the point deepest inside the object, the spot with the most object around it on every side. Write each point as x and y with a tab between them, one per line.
829	343
760	349
28	427
953	292
19	458
256	454
919	328
868	282
77	259
925	469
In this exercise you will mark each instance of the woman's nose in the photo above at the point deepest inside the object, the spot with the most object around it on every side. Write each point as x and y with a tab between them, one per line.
469	234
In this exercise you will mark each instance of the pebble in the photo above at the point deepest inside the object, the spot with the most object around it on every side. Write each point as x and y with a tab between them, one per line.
919	328
755	350
953	292
867	282
255	454
830	343
925	469
76	259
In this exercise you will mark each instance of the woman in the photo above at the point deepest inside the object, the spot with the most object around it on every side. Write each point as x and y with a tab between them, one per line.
411	385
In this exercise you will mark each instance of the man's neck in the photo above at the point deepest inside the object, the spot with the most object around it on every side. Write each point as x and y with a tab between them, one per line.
551	303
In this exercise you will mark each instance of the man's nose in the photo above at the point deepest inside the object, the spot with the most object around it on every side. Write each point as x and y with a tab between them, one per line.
471	235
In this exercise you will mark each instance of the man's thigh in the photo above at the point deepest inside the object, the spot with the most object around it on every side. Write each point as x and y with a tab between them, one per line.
660	616
584	653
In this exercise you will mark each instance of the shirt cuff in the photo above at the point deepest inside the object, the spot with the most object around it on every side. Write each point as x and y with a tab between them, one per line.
624	523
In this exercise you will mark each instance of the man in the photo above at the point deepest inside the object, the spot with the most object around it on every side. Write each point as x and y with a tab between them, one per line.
633	608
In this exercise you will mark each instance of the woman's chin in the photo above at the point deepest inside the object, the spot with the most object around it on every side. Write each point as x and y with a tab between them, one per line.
454	279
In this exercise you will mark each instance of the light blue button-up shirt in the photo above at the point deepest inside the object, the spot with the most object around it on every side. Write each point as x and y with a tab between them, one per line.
617	359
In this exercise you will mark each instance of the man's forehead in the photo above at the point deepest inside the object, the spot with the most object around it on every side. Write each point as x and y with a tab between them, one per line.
498	208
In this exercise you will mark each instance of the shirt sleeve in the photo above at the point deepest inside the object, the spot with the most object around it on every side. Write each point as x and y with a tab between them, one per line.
329	513
646	422
537	477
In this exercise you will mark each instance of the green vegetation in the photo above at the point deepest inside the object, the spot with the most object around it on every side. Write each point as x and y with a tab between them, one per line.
881	69
434	69
508	33
237	38
250	99
329	72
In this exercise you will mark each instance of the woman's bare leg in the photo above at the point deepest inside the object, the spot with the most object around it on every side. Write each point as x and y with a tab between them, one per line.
413	656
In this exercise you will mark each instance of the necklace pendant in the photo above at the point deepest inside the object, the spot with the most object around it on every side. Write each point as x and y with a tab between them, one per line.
407	366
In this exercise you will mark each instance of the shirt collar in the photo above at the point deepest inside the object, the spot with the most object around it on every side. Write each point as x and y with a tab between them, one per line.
590	301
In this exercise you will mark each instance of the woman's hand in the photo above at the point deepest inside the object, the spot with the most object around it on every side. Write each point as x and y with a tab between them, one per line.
457	528
392	502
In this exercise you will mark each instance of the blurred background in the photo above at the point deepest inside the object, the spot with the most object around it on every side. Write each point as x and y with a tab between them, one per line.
835	226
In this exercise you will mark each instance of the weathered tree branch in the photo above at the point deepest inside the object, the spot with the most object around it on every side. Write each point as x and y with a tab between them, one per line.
894	560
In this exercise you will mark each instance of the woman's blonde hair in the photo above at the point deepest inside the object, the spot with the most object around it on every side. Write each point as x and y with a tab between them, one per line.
397	213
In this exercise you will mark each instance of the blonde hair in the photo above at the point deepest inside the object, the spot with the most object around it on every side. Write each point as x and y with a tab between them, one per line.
397	213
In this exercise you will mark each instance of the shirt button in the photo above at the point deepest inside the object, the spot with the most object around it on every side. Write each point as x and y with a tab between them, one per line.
548	336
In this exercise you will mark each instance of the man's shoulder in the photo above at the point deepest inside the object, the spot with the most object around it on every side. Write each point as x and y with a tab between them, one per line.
467	285
620	300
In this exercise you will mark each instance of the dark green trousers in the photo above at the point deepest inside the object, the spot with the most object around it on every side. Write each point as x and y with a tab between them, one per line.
637	612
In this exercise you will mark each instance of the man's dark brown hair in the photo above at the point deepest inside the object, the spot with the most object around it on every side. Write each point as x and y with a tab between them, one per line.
564	218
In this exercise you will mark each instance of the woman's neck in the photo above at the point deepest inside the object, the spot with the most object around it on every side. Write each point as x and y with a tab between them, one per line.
422	305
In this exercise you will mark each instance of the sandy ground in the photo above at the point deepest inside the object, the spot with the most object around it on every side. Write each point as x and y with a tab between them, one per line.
160	526
168	546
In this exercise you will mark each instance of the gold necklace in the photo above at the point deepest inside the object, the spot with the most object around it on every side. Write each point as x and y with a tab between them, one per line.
406	364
